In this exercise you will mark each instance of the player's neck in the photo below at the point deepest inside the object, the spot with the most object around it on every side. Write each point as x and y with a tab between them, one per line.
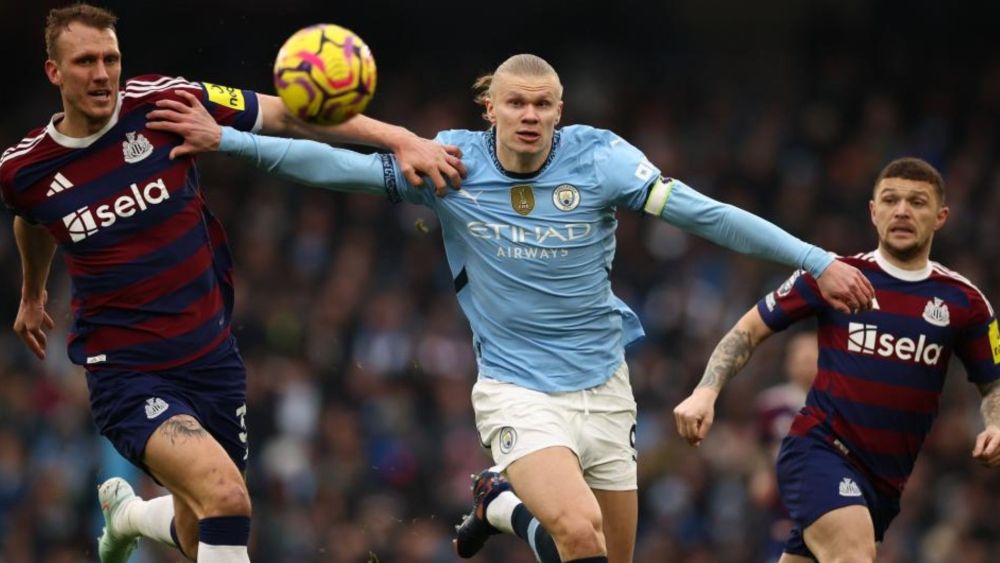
78	125
916	262
521	163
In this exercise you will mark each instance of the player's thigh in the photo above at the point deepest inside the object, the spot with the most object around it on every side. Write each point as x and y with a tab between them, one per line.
789	558
846	531
550	483
620	516
189	462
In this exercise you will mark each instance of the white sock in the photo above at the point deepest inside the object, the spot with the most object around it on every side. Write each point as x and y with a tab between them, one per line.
222	553
500	511
147	518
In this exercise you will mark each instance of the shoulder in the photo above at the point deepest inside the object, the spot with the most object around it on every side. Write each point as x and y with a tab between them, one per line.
977	299
22	151
585	137
155	86
861	260
461	137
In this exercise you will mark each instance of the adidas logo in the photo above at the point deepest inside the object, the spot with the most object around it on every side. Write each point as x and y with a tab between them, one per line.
59	183
848	488
155	406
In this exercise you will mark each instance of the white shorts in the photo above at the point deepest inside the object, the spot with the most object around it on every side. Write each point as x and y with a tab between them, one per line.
597	424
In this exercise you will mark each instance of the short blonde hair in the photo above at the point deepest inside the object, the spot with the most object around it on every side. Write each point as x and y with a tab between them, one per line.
59	19
524	64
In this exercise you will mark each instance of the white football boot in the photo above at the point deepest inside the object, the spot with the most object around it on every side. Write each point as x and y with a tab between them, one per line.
112	547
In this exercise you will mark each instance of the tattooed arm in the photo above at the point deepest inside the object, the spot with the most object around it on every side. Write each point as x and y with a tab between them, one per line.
987	448
695	414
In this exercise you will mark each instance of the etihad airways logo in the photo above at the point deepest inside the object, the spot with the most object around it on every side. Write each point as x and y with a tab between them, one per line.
85	222
538	234
866	339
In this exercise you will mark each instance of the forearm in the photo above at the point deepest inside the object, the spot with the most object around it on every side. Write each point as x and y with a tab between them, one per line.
730	355
990	406
359	130
734	351
36	248
741	231
309	162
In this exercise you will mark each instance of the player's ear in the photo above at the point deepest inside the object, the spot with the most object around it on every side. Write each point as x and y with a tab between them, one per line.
942	216
491	114
871	211
52	72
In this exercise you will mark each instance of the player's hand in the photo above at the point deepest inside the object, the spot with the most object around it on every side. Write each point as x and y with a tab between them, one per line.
442	164
31	323
845	288
694	416
987	449
189	120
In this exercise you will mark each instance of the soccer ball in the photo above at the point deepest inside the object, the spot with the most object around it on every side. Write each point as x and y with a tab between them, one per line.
325	74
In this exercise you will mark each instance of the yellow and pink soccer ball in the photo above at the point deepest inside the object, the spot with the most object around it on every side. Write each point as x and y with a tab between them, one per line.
325	74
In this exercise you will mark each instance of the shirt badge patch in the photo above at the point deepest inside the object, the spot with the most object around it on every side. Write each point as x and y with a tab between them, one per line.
522	199
136	148
936	312
566	197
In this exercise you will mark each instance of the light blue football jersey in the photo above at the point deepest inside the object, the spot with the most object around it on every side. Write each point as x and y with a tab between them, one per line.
531	256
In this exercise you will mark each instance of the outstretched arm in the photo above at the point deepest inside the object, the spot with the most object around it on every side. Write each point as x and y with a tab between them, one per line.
416	156
843	286
36	248
987	448
694	415
302	161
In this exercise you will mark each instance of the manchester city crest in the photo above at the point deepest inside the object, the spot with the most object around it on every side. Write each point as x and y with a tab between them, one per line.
508	437
522	199
566	197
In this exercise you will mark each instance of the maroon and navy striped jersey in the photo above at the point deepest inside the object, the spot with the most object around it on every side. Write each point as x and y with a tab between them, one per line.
880	373
150	266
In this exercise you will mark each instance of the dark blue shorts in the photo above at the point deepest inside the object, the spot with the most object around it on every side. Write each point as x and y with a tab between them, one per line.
814	478
129	405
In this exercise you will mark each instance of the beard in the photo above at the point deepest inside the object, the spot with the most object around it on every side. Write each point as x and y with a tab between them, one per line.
909	252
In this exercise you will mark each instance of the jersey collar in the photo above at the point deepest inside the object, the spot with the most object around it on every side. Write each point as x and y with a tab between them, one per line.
899	273
81	142
491	145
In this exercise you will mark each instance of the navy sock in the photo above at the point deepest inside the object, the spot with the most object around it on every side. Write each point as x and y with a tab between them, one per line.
224	530
528	529
177	540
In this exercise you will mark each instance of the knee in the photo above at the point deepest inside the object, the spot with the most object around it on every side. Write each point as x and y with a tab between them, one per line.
229	498
578	535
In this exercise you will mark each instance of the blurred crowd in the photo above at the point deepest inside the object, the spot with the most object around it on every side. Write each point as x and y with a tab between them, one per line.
360	363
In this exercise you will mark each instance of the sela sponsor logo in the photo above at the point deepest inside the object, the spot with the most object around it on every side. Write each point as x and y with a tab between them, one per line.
85	222
59	183
98	359
936	312
848	488
136	148
155	406
865	338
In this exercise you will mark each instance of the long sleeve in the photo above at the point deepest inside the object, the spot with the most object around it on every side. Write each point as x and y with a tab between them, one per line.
312	163
733	228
